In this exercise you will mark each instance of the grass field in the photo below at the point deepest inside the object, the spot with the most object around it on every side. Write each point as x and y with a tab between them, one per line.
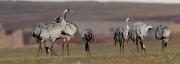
102	53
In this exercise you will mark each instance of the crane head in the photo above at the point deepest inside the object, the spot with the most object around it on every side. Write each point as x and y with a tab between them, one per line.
68	10
58	19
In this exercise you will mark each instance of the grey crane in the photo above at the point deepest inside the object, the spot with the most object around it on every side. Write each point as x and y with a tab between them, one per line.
137	33
119	38
52	31
121	34
87	36
126	29
43	36
163	33
68	32
36	34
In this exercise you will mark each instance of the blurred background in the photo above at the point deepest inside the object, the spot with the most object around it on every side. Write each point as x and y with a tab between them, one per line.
18	17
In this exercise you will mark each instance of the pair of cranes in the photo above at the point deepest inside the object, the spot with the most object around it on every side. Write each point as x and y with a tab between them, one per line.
137	32
47	34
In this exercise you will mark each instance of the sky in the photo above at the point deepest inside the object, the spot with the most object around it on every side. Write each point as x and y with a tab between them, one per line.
147	1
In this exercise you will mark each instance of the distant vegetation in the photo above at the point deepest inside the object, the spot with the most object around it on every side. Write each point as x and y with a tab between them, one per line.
27	14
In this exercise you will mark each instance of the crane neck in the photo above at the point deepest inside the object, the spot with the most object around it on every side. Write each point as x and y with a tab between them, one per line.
64	16
127	22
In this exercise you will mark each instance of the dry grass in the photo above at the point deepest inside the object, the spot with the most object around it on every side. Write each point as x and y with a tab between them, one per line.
26	56
102	53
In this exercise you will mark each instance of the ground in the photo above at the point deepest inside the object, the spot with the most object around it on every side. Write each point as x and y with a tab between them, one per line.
102	53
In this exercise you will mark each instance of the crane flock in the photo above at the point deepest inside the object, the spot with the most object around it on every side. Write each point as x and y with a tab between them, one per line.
62	28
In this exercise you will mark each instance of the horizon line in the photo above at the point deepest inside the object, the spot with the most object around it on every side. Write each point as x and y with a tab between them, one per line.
128	1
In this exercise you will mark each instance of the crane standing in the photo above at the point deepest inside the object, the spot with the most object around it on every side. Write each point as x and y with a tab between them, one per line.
68	32
137	33
42	34
87	36
121	34
61	28
163	33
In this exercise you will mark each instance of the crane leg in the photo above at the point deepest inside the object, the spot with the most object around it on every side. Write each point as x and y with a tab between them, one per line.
123	45
53	51
39	49
63	48
142	46
164	44
115	42
47	50
137	44
120	45
67	45
87	49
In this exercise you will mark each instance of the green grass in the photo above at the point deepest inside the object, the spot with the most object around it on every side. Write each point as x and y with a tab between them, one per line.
26	56
106	53
102	53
